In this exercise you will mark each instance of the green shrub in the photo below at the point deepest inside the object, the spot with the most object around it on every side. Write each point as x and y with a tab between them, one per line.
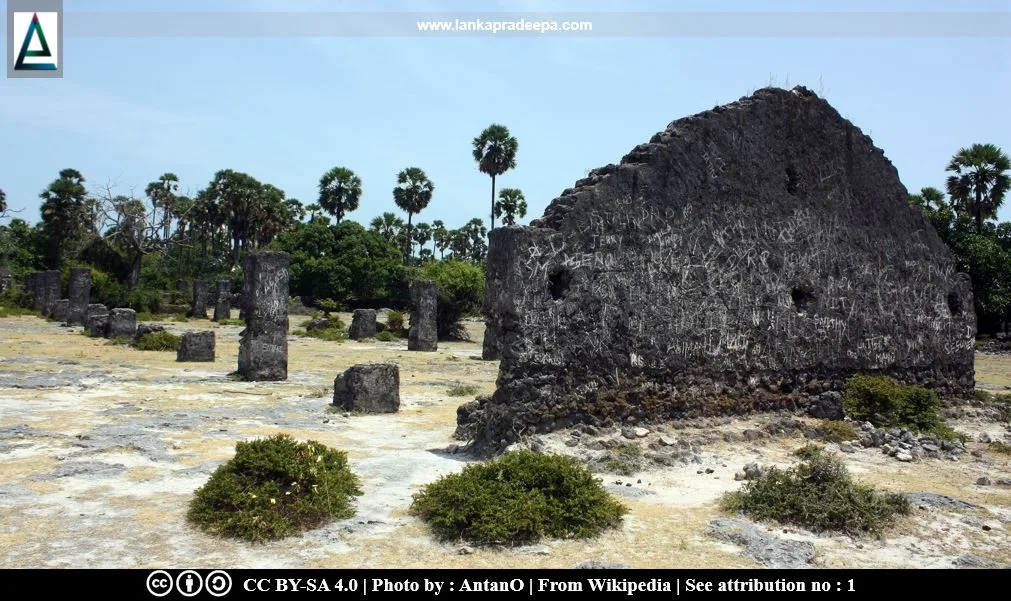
817	494
462	390
888	404
624	459
396	323
158	341
120	340
838	431
385	336
231	322
1000	447
275	487
13	299
518	498
986	397
460	286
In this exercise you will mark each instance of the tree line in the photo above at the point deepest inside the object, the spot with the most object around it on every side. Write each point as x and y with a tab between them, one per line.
141	244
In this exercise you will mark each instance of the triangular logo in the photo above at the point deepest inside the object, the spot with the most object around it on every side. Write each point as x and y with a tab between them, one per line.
34	29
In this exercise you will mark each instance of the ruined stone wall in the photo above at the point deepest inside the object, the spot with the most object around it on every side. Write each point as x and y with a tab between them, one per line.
749	257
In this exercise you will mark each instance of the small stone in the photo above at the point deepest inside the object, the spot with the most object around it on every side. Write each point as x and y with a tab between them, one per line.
983	481
465	550
846	448
1003	481
196	346
738	476
640	432
665	441
369	387
904	456
977	453
709	470
984	437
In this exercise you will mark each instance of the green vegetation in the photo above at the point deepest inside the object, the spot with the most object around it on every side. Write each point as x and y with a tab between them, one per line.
624	459
888	404
386	336
838	431
275	487
1000	447
460	286
462	390
520	497
232	322
159	341
817	494
120	340
335	330
396	323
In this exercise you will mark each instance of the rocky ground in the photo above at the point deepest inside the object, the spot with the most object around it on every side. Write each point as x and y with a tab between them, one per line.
101	447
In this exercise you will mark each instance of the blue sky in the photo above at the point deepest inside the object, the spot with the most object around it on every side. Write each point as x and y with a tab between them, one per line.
287	109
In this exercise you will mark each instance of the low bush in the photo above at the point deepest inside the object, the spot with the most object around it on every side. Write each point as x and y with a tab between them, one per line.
838	431
460	286
818	494
275	487
385	336
520	497
1000	447
158	341
462	390
396	323
231	322
888	404
624	459
13	300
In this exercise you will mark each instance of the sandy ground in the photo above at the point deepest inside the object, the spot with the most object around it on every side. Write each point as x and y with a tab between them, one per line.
101	447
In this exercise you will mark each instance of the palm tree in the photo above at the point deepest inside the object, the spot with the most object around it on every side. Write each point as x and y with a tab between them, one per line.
312	210
163	194
339	192
412	193
511	204
495	153
388	226
980	181
440	238
3	202
422	234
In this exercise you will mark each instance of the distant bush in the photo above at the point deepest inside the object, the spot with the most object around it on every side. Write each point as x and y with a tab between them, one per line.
1000	447
520	497
159	341
888	404
462	390
460	286
838	431
396	323
624	459
231	322
13	299
817	494
385	336
275	487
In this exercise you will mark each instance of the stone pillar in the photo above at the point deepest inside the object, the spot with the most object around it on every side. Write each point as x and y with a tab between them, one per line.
32	287
196	346
48	286
369	387
490	350
263	346
363	324
223	300
424	332
79	294
61	310
199	307
96	321
122	323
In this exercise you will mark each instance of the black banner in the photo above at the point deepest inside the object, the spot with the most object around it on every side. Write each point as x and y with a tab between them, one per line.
474	584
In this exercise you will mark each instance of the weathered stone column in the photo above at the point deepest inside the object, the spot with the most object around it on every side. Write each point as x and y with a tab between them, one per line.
61	310
79	294
196	346
363	324
32	287
424	332
122	323
368	387
223	301
96	320
48	287
198	308
263	348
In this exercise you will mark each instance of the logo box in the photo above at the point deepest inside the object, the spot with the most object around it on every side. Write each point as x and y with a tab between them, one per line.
34	38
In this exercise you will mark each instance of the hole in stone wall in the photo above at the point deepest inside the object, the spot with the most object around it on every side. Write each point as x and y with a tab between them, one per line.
802	299
954	304
558	283
792	179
